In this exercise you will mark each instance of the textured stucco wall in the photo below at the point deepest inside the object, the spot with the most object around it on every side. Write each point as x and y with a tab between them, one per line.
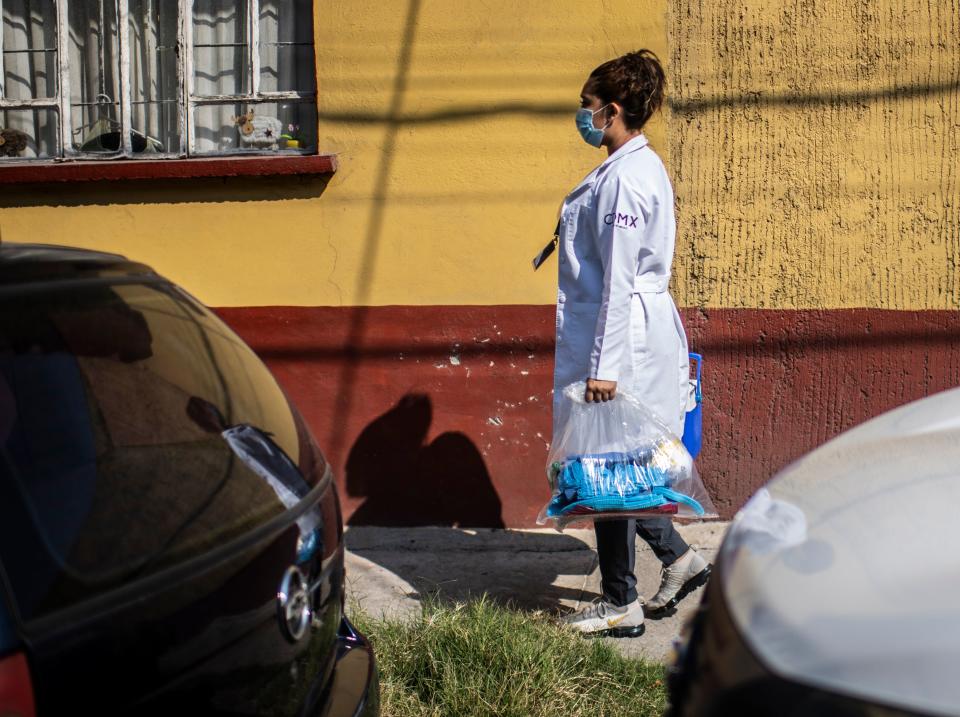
814	154
814	149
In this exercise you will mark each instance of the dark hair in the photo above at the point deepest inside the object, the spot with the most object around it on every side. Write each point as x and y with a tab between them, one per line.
634	81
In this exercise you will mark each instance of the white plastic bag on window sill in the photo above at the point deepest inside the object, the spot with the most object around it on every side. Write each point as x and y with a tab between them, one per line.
616	459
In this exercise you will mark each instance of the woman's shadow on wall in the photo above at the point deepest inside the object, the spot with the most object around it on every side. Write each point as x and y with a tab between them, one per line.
442	493
408	482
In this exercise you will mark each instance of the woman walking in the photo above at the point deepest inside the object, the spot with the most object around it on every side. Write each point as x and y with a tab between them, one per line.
617	326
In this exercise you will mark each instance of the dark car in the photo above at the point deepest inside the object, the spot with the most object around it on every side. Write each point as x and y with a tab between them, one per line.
837	586
170	535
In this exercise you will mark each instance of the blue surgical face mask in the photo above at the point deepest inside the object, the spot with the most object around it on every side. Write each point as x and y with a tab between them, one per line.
591	135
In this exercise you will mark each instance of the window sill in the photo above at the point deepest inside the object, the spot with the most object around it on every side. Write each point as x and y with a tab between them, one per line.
135	169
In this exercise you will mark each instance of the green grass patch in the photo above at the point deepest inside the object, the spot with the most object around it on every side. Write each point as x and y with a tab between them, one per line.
479	658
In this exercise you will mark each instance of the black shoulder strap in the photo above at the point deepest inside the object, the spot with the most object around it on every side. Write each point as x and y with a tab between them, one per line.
548	249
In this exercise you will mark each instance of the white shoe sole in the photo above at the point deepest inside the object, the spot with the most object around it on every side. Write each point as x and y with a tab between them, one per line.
631	631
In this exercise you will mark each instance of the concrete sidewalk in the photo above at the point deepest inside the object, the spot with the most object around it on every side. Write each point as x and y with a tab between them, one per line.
388	569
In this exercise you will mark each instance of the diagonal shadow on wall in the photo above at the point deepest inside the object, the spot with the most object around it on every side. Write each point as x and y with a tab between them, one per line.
344	399
696	105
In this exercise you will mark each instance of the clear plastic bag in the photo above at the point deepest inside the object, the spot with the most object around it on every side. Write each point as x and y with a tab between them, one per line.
616	459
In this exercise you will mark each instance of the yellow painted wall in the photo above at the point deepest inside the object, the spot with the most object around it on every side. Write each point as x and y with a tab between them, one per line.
453	123
813	147
815	153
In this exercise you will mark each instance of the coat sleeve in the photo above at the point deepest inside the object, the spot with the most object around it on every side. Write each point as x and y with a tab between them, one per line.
620	221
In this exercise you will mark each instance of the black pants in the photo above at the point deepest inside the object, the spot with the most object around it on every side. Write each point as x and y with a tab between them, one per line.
616	550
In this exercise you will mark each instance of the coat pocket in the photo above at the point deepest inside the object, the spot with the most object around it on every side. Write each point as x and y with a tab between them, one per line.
569	220
639	334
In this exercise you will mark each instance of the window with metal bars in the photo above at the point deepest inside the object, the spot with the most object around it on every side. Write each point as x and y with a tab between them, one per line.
89	79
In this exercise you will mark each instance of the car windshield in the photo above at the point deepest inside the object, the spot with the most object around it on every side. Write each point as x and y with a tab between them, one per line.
114	401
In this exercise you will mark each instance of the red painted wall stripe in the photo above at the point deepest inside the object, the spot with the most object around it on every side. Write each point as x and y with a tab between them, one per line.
441	415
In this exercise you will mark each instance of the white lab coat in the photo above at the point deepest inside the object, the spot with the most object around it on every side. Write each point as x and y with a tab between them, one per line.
616	320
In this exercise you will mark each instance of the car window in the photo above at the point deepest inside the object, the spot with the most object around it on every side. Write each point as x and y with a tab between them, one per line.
115	403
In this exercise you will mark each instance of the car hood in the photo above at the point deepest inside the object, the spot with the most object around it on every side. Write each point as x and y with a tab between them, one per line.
844	571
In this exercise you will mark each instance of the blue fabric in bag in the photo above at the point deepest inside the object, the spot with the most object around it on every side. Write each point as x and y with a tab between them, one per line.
612	482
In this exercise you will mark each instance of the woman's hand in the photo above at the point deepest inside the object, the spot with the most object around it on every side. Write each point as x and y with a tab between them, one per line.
599	390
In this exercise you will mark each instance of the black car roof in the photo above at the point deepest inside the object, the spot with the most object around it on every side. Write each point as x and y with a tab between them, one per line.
38	263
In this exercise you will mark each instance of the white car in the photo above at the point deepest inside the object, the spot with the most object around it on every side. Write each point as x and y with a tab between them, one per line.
837	587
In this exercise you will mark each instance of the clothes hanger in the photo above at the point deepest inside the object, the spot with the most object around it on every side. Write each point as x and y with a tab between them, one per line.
102	100
101	116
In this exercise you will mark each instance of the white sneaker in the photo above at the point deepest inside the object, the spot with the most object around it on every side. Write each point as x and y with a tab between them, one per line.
679	580
601	618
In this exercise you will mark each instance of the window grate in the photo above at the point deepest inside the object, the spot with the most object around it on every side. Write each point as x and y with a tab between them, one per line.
99	86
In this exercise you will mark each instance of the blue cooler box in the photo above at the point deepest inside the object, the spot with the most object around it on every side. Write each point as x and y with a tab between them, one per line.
693	424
